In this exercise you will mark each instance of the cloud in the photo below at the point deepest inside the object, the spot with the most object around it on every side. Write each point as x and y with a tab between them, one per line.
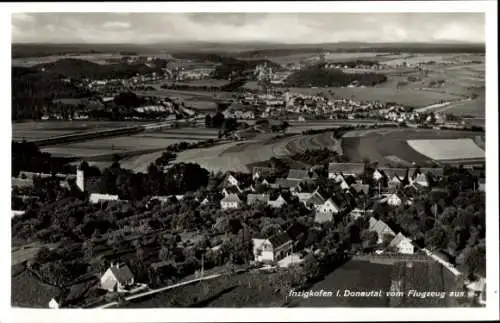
230	27
117	25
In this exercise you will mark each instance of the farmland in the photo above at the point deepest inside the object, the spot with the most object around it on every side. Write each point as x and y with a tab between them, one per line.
46	129
28	291
237	156
357	275
100	58
378	144
445	149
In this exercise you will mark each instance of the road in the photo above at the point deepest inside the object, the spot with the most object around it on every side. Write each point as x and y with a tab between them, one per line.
162	289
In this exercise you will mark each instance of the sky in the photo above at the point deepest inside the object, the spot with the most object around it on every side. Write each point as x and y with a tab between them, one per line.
143	28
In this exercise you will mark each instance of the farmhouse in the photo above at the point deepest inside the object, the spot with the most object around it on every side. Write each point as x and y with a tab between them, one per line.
230	180
345	169
257	198
381	228
360	189
273	249
392	199
328	207
235	189
231	201
118	278
299	175
285	183
316	200
402	244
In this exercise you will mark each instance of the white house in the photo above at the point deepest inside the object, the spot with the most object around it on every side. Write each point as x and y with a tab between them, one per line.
118	278
279	202
54	304
394	200
275	248
231	201
421	179
377	175
381	228
230	180
402	244
98	198
328	207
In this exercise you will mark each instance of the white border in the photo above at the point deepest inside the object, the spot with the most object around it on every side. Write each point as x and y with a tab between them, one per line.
273	314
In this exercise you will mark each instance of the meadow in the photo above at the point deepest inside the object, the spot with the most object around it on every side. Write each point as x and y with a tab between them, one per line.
443	149
381	145
46	129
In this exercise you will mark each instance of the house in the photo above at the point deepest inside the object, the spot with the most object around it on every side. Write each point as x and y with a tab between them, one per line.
328	207
322	217
231	190
257	198
395	182
421	179
316	200
55	302
477	289
346	169
381	228
230	180
277	203
273	249
356	213
299	175
359	188
391	199
118	278
287	183
377	175
230	201
402	244
262	172
95	198
303	197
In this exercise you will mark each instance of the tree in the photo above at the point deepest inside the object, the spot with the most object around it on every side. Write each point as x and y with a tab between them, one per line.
208	121
218	120
475	260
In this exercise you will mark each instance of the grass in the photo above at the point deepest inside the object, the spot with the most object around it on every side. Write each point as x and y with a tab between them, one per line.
443	149
377	144
47	129
28	291
242	290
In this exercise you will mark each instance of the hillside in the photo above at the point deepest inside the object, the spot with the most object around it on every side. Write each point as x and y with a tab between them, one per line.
32	90
79	69
321	77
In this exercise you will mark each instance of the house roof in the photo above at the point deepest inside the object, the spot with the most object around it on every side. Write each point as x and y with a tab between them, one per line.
122	273
298	174
254	198
233	189
316	199
287	183
279	239
397	240
379	226
391	172
19	182
231	198
263	171
321	217
346	168
358	188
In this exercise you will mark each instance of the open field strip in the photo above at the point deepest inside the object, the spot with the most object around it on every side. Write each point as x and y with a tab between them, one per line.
442	149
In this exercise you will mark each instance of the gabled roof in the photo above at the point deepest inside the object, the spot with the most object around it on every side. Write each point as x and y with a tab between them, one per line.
316	199
279	239
298	174
398	239
346	168
232	189
254	198
379	226
331	201
360	188
263	171
122	273
231	198
391	172
287	183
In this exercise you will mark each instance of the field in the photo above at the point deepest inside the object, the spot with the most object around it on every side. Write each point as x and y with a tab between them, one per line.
95	58
241	290
380	145
445	149
28	291
47	129
238	156
201	83
357	275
